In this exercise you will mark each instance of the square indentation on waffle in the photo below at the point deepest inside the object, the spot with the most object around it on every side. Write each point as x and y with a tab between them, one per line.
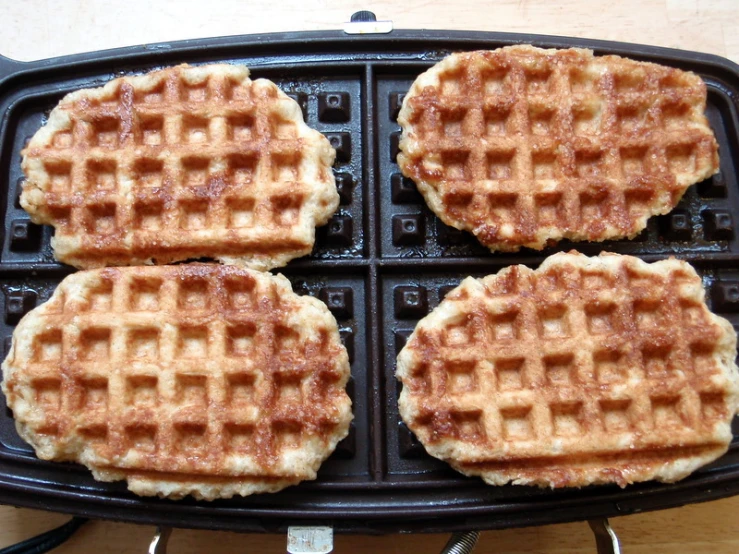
681	158
288	434
676	114
100	296
285	167
242	168
587	117
544	164
193	294
510	373
590	163
453	123
500	164
193	214
712	404
240	339
459	335
152	129
633	117
48	346
100	219
702	356
194	92
149	216
240	212
241	388
105	132
516	422
668	411
144	294
289	387
94	344
648	313
101	175
241	127
48	392
610	365
64	139
191	390
195	129
505	326
461	377
239	292
496	120
566	419
195	171
468	424
658	359
541	119
94	395
550	208
286	209
560	369
148	172
190	438
143	343
554	322
142	437
59	175
192	342
601	318
616	414
141	390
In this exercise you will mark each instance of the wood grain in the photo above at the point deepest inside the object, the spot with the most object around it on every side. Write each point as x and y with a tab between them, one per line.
35	29
711	527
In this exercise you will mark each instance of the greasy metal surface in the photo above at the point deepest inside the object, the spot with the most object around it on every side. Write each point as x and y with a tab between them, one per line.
380	265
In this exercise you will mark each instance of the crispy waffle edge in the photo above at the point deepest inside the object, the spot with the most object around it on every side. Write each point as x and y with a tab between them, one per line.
71	248
173	485
552	232
563	470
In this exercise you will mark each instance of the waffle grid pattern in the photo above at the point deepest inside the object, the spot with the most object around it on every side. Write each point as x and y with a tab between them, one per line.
567	361
520	146
180	163
200	388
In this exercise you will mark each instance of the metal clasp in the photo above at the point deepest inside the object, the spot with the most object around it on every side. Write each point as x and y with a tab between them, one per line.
158	544
606	540
310	540
365	23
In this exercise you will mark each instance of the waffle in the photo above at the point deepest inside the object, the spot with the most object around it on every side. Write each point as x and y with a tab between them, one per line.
585	371
524	147
186	162
196	379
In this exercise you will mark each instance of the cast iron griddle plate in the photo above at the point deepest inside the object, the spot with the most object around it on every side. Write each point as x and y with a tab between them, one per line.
381	264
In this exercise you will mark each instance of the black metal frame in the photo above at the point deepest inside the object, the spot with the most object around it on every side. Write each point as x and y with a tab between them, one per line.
444	502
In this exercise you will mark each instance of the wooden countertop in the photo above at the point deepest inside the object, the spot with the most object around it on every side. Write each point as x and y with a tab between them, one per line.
34	29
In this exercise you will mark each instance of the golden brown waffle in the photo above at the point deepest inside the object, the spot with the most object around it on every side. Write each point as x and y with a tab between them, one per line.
524	147
587	370
186	162
193	379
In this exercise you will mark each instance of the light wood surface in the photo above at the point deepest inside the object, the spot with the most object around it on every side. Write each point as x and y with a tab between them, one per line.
34	29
